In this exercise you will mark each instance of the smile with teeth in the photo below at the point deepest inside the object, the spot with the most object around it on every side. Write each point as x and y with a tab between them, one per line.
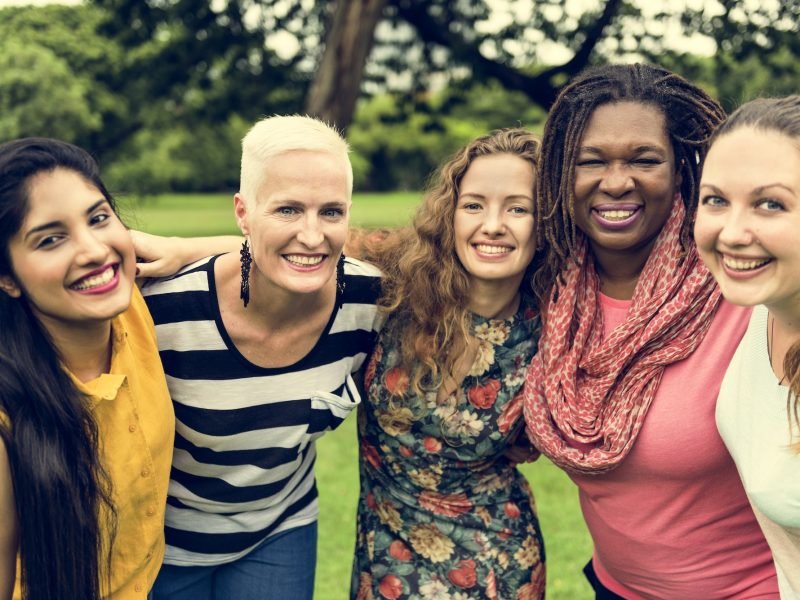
93	281
490	249
744	264
616	215
302	260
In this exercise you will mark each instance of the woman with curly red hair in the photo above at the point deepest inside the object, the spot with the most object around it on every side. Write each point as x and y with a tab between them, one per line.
443	508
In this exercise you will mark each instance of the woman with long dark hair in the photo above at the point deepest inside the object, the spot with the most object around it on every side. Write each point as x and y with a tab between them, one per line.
85	417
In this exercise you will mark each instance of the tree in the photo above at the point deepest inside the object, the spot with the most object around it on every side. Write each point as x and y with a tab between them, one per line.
40	96
337	84
448	36
50	60
223	49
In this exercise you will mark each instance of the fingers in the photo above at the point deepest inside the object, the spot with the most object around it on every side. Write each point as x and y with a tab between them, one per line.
163	267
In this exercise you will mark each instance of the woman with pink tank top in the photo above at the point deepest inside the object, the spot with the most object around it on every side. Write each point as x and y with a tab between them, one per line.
636	340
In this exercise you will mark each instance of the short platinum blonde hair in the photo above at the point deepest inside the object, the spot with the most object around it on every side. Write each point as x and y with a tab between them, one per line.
279	134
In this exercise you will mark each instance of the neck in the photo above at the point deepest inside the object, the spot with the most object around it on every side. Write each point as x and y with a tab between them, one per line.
619	270
495	299
85	348
783	332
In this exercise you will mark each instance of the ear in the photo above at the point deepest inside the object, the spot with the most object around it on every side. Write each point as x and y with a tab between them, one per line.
240	210
9	286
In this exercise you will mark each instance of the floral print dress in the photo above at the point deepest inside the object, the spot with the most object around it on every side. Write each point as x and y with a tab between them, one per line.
443	513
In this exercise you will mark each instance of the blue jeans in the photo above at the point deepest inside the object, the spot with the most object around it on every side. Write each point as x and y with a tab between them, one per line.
281	568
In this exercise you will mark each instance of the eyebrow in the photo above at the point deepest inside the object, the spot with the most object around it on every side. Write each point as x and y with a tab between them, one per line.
756	191
54	224
509	197
299	203
761	188
642	148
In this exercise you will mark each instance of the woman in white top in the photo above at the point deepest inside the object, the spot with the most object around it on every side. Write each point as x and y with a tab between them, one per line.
747	231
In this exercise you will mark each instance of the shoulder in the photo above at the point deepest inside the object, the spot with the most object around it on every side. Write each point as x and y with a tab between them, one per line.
362	283
192	277
182	296
354	267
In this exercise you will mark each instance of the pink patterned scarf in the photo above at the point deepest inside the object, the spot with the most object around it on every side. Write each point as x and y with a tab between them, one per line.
586	396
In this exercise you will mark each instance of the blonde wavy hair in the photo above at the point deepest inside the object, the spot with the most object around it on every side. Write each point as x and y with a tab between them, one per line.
426	288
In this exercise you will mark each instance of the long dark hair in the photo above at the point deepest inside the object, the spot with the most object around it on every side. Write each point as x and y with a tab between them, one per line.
50	434
690	115
780	115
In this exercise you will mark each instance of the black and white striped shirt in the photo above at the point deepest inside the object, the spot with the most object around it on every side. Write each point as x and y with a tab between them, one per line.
243	467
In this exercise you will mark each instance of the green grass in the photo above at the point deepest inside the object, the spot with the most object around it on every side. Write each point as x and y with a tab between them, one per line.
567	543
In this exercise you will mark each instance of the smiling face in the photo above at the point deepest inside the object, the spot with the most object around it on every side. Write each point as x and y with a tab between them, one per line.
297	225
748	221
72	258
494	233
625	178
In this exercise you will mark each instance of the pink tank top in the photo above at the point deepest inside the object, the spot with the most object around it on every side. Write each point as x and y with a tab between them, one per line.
673	521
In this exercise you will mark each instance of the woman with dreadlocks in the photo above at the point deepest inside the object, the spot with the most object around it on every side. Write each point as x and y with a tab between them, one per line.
636	340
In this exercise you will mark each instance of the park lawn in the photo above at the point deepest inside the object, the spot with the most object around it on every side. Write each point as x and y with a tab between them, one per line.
567	543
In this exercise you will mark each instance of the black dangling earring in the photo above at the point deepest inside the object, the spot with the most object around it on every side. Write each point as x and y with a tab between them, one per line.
246	260
340	280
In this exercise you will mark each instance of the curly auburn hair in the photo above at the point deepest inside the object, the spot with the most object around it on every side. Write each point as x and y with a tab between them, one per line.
690	115
779	115
425	286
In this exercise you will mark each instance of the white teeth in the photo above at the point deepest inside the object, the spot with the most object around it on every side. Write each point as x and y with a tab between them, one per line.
95	280
616	215
740	264
489	249
304	261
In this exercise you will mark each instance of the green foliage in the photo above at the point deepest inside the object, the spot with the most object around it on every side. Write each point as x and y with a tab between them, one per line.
400	143
203	157
52	66
39	95
162	91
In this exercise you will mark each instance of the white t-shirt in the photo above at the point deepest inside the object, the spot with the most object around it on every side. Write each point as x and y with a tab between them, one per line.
753	422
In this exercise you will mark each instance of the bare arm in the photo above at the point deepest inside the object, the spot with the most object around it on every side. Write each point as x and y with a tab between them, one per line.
164	256
9	534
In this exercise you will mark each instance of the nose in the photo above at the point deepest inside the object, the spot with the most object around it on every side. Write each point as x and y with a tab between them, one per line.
616	180
310	234
494	221
91	249
736	229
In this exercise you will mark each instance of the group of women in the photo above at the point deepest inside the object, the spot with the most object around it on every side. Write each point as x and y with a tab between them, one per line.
582	299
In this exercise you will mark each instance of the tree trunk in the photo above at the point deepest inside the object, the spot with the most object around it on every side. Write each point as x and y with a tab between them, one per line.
337	83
